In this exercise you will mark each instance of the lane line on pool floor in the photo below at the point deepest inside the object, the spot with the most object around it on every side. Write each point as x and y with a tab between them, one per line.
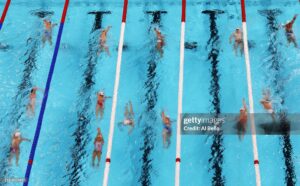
45	97
180	94
250	95
115	95
4	13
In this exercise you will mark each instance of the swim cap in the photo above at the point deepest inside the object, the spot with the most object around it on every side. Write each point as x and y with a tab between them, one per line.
101	93
17	134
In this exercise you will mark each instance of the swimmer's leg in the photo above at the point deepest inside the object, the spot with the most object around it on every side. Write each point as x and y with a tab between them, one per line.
97	110
241	48
93	158
101	112
17	157
235	47
161	52
10	158
131	108
44	40
126	113
50	40
168	141
107	50
99	157
164	139
295	43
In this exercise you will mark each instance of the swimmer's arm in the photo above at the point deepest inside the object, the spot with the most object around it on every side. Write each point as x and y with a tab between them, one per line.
294	19
163	115
40	89
108	97
25	139
53	25
244	104
108	28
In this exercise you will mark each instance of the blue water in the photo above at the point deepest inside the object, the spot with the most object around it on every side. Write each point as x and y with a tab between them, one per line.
64	152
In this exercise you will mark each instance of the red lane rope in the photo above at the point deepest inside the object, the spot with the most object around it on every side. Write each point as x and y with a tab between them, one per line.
5	11
243	10
124	11
183	15
63	17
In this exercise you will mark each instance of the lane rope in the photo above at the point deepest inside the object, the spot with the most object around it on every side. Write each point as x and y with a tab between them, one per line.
45	97
115	96
4	13
250	95
180	95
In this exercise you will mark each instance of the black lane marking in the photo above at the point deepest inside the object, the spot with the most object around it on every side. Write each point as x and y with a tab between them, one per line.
98	19
217	148
20	100
150	117
277	84
156	16
75	169
41	13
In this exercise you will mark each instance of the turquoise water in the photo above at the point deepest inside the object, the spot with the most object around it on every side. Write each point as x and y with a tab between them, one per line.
64	151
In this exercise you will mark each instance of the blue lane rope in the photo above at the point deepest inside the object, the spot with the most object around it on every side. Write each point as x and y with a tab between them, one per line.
45	98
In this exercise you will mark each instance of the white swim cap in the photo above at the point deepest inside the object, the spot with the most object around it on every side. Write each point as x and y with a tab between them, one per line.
17	134
101	93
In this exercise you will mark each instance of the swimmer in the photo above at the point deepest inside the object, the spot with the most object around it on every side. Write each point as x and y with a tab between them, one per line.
32	101
15	146
160	41
242	121
98	144
103	39
128	117
167	131
47	35
100	103
267	103
238	40
289	31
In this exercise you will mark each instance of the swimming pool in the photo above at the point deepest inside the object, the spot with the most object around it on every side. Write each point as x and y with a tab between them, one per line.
214	81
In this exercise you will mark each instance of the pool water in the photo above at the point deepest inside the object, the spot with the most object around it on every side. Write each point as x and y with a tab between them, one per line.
214	81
